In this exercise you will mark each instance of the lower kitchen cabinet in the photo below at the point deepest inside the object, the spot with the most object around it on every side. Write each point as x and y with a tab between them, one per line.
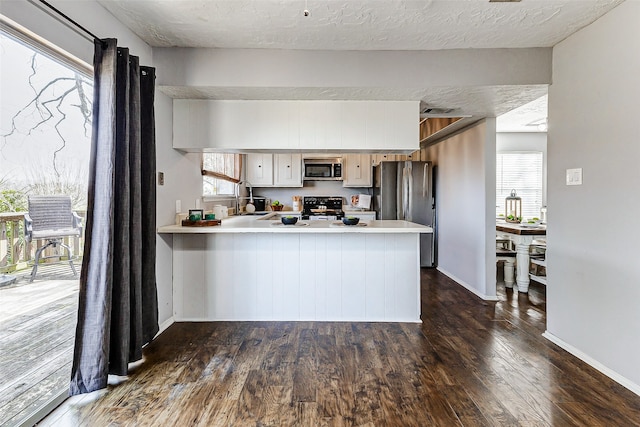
362	215
292	276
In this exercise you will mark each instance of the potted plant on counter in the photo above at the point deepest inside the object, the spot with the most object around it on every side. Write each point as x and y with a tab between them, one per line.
276	205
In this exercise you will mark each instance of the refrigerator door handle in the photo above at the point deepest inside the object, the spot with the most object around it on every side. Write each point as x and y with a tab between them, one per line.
405	193
399	194
409	214
424	180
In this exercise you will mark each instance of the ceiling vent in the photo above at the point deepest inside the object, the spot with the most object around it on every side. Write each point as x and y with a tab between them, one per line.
427	111
438	111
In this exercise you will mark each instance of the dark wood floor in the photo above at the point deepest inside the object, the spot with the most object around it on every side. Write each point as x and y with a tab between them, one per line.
471	363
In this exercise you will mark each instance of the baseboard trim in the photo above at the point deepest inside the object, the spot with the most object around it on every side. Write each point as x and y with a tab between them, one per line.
164	325
623	381
467	286
204	319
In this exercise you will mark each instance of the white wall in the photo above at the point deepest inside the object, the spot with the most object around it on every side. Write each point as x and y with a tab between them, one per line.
526	141
182	175
271	68
87	13
465	195
182	181
593	295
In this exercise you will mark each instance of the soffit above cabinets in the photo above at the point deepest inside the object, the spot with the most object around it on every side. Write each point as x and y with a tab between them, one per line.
295	126
358	26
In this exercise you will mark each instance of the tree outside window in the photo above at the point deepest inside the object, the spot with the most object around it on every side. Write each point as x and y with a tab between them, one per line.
220	173
45	126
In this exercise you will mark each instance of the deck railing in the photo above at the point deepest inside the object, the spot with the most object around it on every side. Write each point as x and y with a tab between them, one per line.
17	254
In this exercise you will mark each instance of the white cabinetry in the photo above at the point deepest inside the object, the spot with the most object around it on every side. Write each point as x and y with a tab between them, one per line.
377	158
274	170
287	170
358	170
251	125
259	170
363	215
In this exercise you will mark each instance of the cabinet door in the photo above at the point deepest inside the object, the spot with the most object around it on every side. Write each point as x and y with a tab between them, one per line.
288	170
358	170
377	158
354	124
364	216
260	169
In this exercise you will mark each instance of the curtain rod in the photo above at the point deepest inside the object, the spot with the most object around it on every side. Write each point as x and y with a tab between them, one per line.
69	20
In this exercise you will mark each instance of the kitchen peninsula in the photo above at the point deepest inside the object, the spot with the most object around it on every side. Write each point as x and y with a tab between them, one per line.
256	268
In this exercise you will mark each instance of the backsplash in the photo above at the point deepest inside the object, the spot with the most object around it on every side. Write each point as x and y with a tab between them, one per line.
311	188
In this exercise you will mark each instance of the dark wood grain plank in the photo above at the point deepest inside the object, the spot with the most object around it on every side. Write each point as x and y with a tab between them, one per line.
471	363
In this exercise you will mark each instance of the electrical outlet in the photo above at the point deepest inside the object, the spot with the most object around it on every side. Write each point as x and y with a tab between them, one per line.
574	176
160	178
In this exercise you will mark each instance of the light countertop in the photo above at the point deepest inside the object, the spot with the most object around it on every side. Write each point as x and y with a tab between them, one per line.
270	223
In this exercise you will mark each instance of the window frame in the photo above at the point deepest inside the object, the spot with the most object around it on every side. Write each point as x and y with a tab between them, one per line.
237	161
540	186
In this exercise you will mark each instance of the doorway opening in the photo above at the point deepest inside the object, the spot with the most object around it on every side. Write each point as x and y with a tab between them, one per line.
45	141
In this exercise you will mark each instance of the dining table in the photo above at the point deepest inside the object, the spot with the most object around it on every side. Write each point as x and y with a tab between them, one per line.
522	234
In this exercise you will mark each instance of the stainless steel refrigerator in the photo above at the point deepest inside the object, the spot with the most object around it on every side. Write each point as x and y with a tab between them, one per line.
405	190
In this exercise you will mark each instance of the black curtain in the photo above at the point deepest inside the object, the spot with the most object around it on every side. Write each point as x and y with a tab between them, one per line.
118	306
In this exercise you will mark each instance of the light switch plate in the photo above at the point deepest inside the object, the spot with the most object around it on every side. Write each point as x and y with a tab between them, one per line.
178	206
574	176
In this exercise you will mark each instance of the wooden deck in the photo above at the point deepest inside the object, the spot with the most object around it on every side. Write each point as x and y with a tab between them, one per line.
37	326
471	363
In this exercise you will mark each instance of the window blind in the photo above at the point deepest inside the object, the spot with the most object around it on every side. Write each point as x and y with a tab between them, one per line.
520	171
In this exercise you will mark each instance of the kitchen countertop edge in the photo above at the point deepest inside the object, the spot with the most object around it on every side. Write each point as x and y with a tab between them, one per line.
243	225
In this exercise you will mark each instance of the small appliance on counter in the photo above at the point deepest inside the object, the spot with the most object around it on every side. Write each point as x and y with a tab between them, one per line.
327	208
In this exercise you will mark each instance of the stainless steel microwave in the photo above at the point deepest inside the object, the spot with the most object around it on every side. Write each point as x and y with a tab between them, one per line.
323	169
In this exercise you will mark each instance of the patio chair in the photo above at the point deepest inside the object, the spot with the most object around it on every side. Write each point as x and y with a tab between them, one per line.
50	218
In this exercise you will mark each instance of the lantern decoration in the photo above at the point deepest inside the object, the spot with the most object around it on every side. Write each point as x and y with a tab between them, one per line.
513	208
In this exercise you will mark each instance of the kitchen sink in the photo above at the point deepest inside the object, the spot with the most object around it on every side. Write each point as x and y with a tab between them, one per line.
254	213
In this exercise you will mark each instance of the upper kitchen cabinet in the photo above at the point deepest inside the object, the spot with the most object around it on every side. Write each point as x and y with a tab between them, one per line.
274	170
358	170
287	170
245	126
259	170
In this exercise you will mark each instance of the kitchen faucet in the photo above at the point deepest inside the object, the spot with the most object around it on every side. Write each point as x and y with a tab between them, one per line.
248	184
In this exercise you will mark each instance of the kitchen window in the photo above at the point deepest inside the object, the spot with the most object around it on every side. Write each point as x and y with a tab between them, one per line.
523	172
220	173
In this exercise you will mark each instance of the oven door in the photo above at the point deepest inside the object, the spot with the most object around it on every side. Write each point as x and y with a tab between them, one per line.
322	217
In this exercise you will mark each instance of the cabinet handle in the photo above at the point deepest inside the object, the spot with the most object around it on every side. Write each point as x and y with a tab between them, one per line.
288	166
259	166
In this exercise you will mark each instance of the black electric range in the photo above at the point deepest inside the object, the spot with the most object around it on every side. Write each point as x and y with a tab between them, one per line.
322	208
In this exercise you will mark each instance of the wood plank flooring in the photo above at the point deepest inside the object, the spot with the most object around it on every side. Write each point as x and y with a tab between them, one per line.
37	327
471	363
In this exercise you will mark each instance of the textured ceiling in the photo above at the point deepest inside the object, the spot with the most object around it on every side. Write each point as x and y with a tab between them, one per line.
367	25
356	24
